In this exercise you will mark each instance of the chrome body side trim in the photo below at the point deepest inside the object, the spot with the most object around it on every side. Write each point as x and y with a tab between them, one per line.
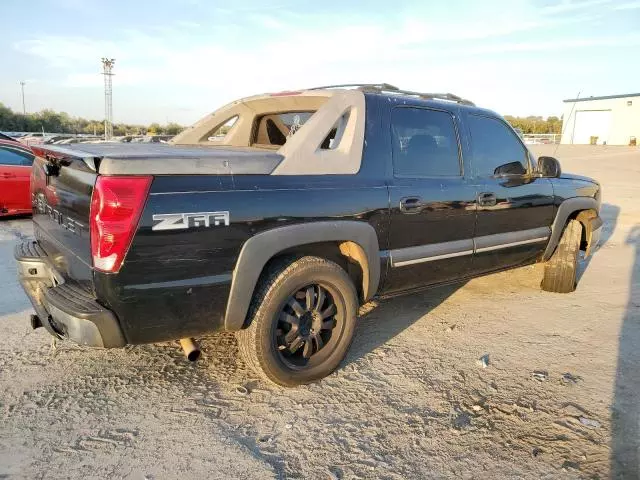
431	252
508	239
440	251
512	244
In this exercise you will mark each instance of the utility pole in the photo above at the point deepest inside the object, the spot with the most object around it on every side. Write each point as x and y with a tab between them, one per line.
24	109
107	66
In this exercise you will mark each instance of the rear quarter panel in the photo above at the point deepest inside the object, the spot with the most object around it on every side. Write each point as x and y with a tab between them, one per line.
177	282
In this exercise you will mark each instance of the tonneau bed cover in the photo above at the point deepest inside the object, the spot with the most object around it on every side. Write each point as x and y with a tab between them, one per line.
167	159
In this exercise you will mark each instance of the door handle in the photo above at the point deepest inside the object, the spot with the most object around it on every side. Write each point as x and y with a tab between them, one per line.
8	175
487	199
410	204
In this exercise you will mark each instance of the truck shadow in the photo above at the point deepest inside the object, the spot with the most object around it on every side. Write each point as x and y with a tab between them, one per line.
625	411
380	321
609	214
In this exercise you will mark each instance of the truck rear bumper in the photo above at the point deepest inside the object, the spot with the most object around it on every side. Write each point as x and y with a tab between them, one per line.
64	308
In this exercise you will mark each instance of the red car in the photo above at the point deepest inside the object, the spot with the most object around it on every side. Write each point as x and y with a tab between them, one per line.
15	172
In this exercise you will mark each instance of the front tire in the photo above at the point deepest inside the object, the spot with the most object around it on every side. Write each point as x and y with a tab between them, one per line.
561	271
302	320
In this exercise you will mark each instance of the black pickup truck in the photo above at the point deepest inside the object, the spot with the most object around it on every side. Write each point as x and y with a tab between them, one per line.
279	214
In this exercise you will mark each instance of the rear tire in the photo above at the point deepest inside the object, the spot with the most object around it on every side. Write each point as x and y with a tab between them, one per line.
302	320
561	271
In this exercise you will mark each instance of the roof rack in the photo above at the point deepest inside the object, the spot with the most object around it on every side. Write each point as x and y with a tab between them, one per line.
385	87
373	86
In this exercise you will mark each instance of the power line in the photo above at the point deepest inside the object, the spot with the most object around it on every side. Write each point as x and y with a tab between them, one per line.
565	123
107	66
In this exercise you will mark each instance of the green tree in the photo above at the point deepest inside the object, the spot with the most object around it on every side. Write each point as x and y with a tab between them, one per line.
554	124
61	122
534	124
93	127
173	129
154	129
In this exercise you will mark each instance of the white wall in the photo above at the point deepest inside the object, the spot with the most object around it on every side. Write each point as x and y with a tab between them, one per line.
625	120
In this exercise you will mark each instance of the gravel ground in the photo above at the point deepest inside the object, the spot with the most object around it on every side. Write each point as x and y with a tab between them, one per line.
560	396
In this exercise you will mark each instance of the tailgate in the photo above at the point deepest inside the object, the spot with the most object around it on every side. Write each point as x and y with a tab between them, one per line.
61	188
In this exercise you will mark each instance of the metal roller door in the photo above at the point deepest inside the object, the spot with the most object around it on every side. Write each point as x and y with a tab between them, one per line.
591	123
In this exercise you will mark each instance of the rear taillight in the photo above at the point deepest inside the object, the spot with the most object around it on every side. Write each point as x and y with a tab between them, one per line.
116	206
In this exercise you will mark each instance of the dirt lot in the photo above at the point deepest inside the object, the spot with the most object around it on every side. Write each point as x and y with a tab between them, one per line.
560	396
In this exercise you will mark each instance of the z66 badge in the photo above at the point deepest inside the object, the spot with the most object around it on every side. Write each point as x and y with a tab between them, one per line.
181	221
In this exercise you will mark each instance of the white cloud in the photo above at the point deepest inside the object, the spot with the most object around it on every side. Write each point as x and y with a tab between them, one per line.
627	6
267	21
188	24
76	5
163	69
567	6
244	9
70	52
123	77
558	45
415	31
311	43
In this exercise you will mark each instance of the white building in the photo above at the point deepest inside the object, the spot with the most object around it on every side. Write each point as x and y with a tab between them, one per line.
610	120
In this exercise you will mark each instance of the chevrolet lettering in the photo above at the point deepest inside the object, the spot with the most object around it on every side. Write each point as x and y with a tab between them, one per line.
41	206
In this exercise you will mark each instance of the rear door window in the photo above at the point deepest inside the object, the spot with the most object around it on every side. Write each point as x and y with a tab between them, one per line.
425	143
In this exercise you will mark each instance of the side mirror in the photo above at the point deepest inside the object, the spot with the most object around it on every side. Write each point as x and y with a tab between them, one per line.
513	168
549	167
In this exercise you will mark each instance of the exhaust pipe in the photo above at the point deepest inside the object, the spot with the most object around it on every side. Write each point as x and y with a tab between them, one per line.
190	348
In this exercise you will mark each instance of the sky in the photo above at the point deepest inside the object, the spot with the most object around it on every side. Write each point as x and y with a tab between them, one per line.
179	60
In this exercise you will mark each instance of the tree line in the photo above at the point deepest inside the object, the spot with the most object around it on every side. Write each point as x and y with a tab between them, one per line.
535	124
61	122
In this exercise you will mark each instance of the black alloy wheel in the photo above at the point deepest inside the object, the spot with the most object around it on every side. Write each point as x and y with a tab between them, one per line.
301	321
306	324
